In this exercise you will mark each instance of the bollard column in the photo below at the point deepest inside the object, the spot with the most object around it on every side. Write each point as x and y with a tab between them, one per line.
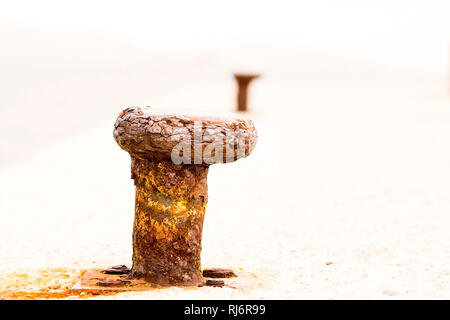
243	81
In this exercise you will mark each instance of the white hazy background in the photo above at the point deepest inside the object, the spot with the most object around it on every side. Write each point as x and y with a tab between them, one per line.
99	56
346	193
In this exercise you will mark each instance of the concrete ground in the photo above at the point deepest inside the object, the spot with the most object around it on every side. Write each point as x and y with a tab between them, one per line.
346	195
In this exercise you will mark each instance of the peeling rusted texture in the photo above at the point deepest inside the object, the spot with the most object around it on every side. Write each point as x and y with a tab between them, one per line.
117	270
153	136
214	283
171	198
218	273
170	207
113	283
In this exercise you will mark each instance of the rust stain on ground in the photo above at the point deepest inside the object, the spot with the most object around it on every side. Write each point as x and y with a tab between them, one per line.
53	283
65	283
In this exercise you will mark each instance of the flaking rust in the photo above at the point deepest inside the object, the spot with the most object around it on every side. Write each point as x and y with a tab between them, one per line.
97	281
218	273
170	207
171	198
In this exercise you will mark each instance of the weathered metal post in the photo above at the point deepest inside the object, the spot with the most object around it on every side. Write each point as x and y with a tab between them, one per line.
243	81
170	158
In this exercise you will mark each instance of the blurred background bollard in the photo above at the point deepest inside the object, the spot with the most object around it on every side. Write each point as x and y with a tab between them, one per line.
243	81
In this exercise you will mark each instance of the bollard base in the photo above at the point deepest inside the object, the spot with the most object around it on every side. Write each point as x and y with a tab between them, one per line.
97	281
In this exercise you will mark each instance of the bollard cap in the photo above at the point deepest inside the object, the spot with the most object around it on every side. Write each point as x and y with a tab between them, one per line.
185	139
246	77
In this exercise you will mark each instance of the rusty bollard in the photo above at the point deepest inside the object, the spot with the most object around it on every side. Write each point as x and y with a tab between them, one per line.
170	157
243	81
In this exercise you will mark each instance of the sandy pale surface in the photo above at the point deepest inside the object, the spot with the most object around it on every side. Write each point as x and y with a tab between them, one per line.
345	196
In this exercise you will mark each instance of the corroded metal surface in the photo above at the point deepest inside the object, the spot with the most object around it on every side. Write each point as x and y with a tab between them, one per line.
170	207
96	281
119	269
214	283
154	136
218	273
171	198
